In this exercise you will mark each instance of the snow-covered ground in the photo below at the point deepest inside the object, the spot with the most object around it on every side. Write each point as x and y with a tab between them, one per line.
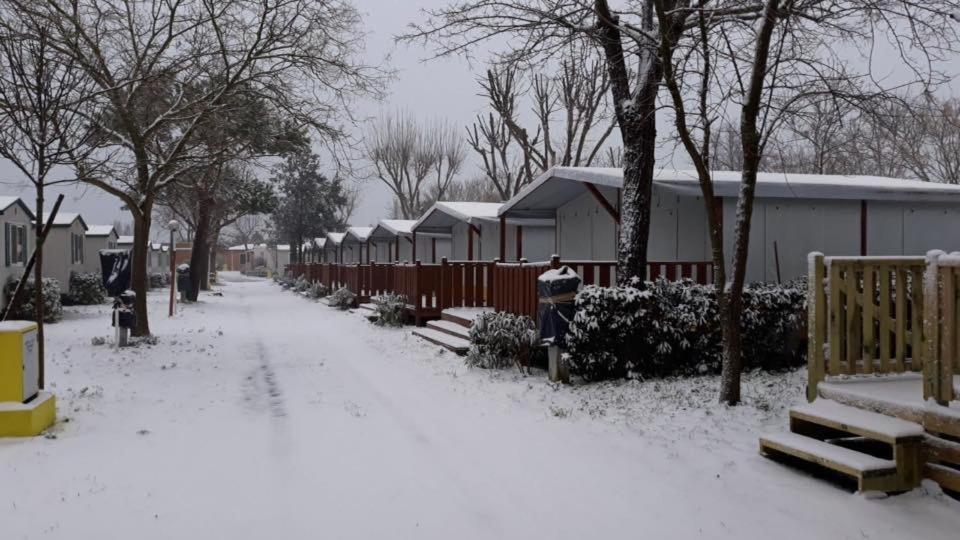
260	414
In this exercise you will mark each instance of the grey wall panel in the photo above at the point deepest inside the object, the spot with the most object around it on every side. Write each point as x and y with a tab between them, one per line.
931	226
884	228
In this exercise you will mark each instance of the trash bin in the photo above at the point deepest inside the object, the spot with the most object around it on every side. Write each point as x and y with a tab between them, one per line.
557	289
124	317
183	281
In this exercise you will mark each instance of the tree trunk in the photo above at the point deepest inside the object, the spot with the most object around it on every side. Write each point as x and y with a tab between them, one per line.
138	271
200	251
38	283
636	115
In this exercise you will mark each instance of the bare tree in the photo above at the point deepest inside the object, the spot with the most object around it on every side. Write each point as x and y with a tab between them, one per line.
627	38
161	68
572	119
412	158
40	128
774	68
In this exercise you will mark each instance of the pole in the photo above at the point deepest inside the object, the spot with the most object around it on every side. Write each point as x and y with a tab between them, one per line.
173	274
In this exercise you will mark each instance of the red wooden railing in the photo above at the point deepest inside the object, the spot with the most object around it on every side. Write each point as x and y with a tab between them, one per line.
420	283
510	287
466	283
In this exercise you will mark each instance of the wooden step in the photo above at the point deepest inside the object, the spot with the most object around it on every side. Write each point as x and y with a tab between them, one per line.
449	327
368	306
463	316
871	473
452	343
843	418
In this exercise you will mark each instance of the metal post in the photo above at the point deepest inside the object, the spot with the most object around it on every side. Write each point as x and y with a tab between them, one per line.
173	226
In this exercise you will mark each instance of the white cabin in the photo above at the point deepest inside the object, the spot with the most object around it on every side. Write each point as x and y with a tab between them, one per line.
18	240
98	237
331	248
475	232
793	215
63	250
354	246
393	241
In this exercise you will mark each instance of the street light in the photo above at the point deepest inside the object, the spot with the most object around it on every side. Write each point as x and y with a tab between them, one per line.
173	226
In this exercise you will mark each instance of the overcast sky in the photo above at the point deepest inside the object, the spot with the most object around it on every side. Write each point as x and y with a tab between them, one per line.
444	88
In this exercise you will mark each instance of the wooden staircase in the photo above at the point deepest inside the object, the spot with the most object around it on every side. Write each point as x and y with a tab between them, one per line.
879	452
450	332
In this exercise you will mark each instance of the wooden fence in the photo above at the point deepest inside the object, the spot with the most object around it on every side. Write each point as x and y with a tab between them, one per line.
876	315
466	283
420	283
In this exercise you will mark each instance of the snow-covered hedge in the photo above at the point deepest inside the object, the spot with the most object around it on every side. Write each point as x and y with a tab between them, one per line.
342	298
391	309
317	290
499	340
673	328
301	285
159	280
52	308
86	289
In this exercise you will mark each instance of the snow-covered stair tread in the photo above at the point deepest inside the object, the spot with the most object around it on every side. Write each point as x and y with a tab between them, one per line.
368	306
867	424
455	344
450	327
834	457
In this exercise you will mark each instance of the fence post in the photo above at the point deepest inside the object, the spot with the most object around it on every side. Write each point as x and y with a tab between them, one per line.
416	292
554	261
444	300
816	323
932	348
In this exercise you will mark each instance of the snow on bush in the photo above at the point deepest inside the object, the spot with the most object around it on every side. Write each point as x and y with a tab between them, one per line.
159	280
673	328
86	289
52	308
391	309
301	285
342	298
499	340
317	290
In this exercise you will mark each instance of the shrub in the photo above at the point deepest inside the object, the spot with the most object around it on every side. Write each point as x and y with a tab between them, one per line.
317	290
52	308
159	280
301	285
342	298
86	289
391	309
499	340
673	328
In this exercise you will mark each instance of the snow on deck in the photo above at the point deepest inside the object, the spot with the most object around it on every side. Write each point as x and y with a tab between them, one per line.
261	414
468	313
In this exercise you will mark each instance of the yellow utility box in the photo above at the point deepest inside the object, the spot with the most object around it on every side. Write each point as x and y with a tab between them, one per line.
24	409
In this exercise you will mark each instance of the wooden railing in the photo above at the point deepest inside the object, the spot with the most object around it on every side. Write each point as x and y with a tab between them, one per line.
420	283
699	271
515	289
466	283
377	279
876	315
941	317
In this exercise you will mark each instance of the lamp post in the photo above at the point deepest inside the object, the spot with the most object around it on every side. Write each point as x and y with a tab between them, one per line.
173	226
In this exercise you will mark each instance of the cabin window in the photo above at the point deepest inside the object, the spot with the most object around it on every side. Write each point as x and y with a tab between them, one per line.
14	244
76	249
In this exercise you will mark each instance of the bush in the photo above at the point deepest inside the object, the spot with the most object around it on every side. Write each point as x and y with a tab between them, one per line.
52	308
673	328
391	309
499	340
342	298
317	290
301	285
159	280
86	289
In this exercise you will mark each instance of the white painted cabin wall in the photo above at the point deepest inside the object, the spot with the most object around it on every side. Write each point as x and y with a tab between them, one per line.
15	215
585	231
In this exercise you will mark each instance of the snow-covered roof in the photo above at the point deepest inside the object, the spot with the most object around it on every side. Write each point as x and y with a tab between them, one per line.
444	215
124	239
241	247
389	229
357	234
335	238
559	185
99	230
8	201
283	247
319	242
65	219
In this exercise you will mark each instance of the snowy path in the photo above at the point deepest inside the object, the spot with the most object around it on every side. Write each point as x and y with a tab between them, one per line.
261	414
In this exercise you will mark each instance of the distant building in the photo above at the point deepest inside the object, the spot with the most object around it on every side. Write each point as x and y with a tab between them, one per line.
64	249
18	241
98	237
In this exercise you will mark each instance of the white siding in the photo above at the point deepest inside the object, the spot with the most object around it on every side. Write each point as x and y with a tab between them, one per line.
16	216
585	230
